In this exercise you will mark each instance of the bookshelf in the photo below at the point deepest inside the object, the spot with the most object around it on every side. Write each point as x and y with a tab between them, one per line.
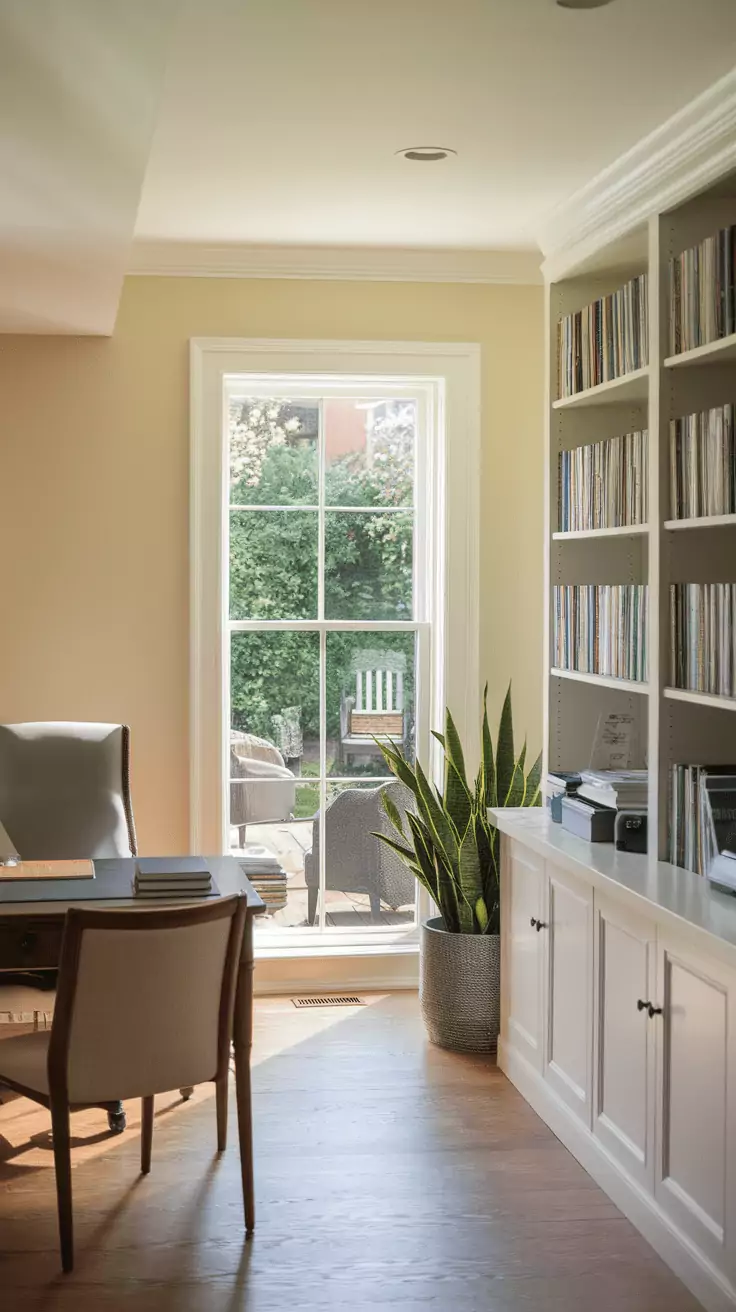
672	725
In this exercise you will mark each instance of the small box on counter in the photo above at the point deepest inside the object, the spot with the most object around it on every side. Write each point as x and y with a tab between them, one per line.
588	820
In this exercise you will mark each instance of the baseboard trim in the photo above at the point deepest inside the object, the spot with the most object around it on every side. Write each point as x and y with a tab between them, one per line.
695	1271
378	972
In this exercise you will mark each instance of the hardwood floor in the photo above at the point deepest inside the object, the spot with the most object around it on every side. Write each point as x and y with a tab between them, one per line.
389	1174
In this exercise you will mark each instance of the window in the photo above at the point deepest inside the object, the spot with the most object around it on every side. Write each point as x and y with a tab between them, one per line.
321	533
328	620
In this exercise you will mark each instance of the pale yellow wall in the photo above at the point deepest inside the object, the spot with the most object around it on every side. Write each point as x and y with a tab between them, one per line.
94	488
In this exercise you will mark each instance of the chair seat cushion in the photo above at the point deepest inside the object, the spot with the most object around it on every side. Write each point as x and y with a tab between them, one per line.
23	1060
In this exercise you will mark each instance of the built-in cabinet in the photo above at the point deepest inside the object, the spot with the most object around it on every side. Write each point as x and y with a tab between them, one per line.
630	1028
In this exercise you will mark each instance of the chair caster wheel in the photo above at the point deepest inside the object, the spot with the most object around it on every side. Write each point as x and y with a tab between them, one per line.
117	1121
187	1093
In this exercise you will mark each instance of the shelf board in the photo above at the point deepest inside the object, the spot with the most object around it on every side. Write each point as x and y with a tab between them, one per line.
712	353
626	531
633	386
602	680
701	698
702	521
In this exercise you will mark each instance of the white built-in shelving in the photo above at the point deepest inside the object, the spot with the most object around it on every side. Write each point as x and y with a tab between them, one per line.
672	725
629	387
621	531
719	352
600	680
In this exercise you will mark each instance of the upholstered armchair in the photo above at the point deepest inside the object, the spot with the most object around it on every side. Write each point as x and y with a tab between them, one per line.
356	862
261	786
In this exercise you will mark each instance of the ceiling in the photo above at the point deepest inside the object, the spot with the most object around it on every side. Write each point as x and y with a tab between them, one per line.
230	124
280	119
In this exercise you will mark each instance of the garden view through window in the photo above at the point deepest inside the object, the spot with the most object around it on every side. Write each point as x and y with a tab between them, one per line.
324	648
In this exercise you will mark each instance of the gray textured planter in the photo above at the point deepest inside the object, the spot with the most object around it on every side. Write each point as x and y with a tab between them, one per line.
459	990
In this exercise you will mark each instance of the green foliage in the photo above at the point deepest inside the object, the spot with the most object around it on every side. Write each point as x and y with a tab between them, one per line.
451	847
273	560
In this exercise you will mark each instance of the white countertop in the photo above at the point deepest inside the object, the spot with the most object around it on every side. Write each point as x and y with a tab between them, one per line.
669	895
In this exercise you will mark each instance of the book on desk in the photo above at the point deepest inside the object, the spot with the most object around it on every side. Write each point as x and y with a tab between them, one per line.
160	876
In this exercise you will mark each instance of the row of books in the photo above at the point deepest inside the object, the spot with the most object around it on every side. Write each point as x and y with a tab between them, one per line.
702	300
703	820
703	637
703	463
601	629
267	876
603	485
604	340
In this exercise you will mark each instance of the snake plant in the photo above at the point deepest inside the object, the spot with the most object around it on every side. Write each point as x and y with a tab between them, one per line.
451	846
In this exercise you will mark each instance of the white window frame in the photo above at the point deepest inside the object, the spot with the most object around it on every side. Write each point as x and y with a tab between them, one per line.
446	379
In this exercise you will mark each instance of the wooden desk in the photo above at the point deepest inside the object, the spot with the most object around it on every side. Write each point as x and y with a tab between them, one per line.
32	927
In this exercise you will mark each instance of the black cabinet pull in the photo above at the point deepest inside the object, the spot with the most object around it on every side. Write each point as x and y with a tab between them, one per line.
28	941
540	925
649	1008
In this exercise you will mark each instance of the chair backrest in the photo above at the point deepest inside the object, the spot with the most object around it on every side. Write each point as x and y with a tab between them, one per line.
65	789
145	1000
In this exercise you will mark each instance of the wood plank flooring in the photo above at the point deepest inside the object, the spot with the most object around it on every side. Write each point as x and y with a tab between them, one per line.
389	1175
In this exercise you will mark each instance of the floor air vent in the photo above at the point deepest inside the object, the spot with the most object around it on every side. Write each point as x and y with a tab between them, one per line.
325	1000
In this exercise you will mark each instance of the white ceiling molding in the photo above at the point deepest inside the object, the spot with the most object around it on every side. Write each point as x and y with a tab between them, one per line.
345	263
686	154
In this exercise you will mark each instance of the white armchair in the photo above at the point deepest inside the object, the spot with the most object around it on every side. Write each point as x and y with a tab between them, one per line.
262	788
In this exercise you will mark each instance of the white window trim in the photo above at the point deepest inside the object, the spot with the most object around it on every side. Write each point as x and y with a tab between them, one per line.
455	369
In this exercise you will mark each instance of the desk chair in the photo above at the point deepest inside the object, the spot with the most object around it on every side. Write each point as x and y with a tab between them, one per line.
64	793
144	1004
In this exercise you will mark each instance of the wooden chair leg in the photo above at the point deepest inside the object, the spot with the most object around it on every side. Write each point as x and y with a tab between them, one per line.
221	1102
146	1133
63	1170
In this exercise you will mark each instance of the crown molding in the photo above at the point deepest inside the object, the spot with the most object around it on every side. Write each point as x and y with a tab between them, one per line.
686	154
343	263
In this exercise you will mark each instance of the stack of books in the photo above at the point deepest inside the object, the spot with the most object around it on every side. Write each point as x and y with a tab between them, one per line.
703	463
604	340
161	876
603	485
703	637
702	302
601	629
621	790
267	876
702	815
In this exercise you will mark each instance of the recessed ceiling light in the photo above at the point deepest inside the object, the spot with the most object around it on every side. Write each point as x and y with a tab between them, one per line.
426	154
583	4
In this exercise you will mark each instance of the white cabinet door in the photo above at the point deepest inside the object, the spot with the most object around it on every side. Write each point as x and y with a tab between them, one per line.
522	909
696	1094
568	932
625	961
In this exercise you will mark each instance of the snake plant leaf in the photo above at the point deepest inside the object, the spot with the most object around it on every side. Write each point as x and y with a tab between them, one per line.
453	749
440	738
481	915
424	854
515	794
458	801
488	765
393	813
471	883
505	759
438	820
400	768
532	795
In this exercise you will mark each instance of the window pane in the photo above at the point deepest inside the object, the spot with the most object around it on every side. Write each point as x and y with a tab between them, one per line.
369	452
370	694
368	566
273	452
366	884
261	828
273	564
274	699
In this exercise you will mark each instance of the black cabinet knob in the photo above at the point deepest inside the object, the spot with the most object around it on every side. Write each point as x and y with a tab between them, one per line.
28	941
540	925
650	1009
533	922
